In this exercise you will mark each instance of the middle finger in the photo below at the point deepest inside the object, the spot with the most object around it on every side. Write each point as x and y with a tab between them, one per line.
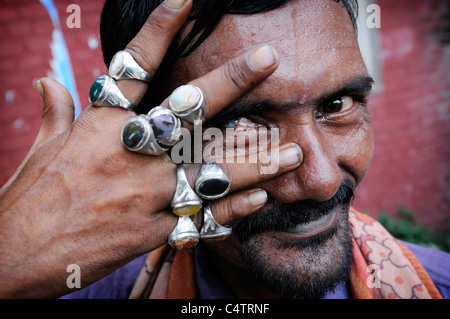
225	84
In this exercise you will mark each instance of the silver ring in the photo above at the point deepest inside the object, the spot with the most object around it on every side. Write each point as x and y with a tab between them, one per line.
187	103
211	230
104	92
185	235
185	202
138	136
152	133
212	182
166	126
123	66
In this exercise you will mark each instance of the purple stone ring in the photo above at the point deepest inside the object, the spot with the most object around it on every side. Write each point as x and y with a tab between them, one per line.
153	133
165	125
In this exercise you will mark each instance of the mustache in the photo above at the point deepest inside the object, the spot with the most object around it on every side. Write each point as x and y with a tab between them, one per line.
277	216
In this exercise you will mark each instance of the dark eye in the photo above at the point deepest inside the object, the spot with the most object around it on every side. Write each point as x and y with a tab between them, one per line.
339	105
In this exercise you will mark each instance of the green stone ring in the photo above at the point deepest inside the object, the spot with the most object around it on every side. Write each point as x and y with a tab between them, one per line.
138	136
104	92
153	133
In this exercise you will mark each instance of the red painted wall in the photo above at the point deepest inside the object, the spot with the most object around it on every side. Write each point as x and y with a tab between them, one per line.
410	116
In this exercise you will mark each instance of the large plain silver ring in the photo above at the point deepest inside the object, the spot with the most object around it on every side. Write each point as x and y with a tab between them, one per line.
185	202
123	66
211	230
104	92
185	235
187	102
212	182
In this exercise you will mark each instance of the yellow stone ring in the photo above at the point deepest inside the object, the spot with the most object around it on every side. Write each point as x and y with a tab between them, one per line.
185	202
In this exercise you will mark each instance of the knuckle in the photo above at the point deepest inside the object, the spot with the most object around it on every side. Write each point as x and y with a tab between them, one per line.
236	75
112	163
160	24
137	49
87	122
236	206
228	172
225	209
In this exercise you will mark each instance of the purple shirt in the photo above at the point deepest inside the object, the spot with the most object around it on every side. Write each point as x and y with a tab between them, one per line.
118	285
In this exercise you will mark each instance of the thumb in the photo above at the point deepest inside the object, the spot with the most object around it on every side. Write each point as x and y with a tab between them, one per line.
57	118
58	112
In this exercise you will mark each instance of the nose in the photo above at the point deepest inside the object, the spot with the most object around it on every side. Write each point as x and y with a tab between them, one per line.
318	177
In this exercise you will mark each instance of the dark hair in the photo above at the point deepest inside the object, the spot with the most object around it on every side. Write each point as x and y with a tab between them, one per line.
121	20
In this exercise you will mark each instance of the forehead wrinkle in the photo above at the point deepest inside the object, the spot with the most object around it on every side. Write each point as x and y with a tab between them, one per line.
302	32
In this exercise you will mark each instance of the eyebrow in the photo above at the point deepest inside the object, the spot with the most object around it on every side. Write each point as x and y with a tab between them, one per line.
360	85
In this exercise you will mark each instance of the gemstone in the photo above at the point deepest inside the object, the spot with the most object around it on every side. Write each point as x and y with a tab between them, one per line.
184	98
96	89
132	134
116	64
213	186
162	125
185	243
187	210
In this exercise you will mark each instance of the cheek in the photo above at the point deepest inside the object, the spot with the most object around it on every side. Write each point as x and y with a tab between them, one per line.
354	152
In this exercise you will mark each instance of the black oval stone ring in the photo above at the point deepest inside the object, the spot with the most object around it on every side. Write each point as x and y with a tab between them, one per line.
212	182
153	133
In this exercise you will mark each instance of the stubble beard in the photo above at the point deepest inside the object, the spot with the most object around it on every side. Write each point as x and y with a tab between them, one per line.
304	268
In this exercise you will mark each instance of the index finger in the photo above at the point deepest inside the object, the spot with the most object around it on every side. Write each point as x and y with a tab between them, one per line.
150	45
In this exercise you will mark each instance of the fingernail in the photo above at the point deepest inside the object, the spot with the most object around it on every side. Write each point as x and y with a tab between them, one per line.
290	156
39	87
258	197
175	4
262	58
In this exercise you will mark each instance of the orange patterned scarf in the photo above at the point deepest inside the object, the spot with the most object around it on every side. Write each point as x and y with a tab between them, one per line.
382	268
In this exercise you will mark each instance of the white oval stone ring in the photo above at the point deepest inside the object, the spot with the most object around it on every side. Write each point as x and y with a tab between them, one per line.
123	66
187	103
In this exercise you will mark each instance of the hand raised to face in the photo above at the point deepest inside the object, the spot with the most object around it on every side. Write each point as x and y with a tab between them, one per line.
81	197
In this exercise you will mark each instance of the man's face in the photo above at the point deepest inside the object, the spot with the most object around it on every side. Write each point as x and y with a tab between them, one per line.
317	99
